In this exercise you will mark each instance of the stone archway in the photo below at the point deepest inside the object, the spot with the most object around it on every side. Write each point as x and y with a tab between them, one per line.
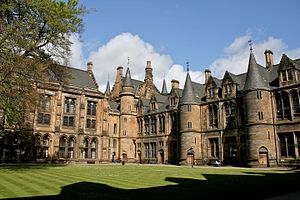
263	157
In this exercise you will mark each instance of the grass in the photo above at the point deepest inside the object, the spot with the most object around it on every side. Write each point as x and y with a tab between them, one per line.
143	182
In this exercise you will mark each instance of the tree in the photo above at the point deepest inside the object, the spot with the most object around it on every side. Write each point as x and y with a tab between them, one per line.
34	37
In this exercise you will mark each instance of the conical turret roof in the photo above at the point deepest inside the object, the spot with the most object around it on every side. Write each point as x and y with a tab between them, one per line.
254	79
127	80
164	88
188	95
107	91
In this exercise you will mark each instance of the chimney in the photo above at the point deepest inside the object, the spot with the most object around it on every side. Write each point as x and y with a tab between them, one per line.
207	75
119	76
175	84
148	64
90	67
269	59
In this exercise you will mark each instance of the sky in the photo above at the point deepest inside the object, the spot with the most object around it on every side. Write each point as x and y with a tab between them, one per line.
209	34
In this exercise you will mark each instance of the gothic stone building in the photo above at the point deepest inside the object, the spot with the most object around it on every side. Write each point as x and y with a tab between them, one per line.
250	119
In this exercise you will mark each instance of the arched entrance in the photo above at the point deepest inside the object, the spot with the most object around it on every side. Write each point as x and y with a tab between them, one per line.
190	157
161	156
263	157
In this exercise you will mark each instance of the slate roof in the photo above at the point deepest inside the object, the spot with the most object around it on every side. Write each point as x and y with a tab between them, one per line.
127	79
73	76
188	95
256	75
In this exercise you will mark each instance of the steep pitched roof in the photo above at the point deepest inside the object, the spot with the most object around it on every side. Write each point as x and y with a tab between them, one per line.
107	91
256	77
188	95
73	77
127	79
164	88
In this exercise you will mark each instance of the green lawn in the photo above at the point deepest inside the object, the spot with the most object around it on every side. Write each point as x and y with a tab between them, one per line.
143	182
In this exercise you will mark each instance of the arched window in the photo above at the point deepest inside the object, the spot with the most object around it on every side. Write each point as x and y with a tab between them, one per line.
230	109
71	145
62	147
38	148
85	149
94	148
45	143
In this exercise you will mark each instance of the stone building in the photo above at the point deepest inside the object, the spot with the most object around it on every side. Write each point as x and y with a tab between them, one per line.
248	119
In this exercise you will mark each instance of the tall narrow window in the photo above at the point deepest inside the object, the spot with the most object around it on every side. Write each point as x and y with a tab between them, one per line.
286	105
213	116
296	108
44	111
214	147
91	108
70	105
287	147
279	111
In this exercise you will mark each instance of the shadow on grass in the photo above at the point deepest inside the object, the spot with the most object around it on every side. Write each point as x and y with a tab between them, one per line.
216	186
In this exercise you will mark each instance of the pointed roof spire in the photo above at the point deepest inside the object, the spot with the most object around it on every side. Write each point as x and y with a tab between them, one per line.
164	88
188	95
254	79
107	91
127	79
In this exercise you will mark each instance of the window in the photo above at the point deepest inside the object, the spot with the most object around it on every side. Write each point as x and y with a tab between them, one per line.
91	108
161	144
115	128
147	125
228	88
211	92
287	147
173	101
146	146
68	121
153	149
71	148
93	148
214	147
62	147
230	111
69	105
260	115
44	110
153	107
153	125
189	108
213	116
189	125
114	143
287	75
258	95
43	118
91	123
296	107
283	106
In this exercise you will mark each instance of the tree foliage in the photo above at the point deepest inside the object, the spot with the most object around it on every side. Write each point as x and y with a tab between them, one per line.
34	35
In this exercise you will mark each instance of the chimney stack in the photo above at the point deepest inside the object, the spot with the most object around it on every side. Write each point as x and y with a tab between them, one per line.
207	75
175	84
90	67
269	59
119	76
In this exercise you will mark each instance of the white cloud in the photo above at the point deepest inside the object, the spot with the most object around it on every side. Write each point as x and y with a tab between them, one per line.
116	51
236	55
76	58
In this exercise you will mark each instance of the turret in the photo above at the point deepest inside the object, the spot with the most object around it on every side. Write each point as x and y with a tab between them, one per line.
189	112
128	125
258	111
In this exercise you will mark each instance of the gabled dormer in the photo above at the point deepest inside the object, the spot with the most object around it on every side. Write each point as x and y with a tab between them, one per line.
211	89
140	107
287	71
173	98
228	86
153	104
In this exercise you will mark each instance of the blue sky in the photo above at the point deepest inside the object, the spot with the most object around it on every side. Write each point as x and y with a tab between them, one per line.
209	34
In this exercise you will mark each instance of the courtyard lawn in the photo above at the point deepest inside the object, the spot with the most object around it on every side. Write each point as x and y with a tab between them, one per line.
143	182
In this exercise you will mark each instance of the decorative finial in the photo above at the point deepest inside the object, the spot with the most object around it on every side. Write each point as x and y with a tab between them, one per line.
128	60
187	66
250	45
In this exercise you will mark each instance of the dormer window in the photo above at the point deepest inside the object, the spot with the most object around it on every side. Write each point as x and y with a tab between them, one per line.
228	88
287	75
153	106
211	92
173	101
